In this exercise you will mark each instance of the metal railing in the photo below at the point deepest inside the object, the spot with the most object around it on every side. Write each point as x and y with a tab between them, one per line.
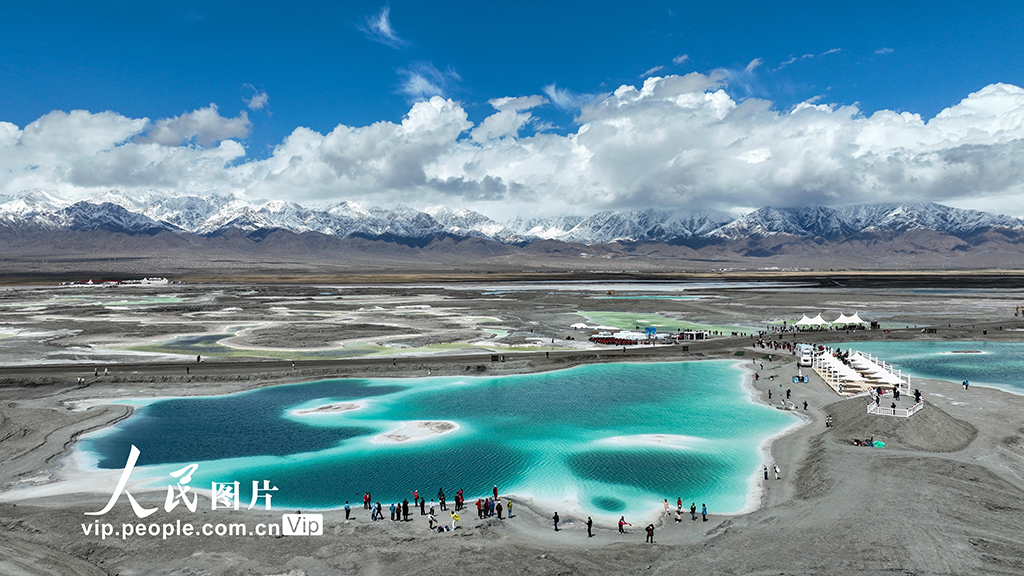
874	408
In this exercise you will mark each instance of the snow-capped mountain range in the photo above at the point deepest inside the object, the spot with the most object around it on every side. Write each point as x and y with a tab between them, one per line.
214	215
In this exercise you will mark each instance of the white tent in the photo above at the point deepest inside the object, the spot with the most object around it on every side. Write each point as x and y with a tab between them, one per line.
805	321
855	319
842	320
579	326
819	321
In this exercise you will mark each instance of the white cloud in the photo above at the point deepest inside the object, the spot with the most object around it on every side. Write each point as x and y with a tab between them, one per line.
652	71
258	100
519	103
884	51
566	99
204	125
681	59
831	51
422	80
678	141
754	64
378	28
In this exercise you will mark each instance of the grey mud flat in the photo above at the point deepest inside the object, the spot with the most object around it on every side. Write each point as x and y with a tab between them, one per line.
946	496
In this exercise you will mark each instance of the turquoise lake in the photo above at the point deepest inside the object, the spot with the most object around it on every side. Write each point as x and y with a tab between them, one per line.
603	440
999	364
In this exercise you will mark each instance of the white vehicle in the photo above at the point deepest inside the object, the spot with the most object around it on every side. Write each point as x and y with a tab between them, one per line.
805	353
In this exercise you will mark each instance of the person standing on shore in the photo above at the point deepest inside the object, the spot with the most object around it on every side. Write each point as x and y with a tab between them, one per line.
765	472
509	507
704	511
455	519
495	491
622	522
590	526
555	518
423	505
392	511
479	508
498	508
666	507
693	511
650	533
405	509
778	476
348	510
440	498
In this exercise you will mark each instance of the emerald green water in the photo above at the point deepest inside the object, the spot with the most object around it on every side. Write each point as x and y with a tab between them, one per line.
603	440
997	364
629	320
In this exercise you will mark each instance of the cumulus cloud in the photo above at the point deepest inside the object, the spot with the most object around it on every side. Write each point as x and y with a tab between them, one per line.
378	28
674	141
258	100
421	80
204	126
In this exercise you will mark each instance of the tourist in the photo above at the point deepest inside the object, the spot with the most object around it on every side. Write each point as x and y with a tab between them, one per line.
590	525
693	511
679	503
765	472
430	521
380	513
650	533
423	504
622	522
392	511
415	497
479	508
495	491
440	498
679	516
769	393
431	506
805	404
491	505
348	510
787	393
893	406
498	508
455	519
509	506
704	511
555	518
778	476
666	507
405	509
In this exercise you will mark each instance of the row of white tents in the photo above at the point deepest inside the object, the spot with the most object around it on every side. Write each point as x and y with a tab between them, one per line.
843	320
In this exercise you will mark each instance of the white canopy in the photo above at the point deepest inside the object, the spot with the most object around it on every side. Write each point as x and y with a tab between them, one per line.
805	321
819	321
855	319
579	325
843	319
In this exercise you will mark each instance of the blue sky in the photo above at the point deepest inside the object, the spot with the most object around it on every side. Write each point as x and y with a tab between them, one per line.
319	64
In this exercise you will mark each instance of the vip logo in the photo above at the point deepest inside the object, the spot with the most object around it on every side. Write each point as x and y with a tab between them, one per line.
302	524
